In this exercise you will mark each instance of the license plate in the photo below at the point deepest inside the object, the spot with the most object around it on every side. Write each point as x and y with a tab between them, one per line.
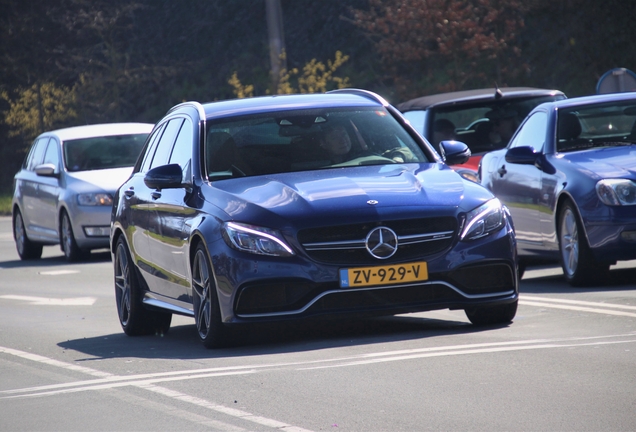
383	275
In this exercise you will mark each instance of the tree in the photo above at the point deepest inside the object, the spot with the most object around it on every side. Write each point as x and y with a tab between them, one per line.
444	44
316	77
39	108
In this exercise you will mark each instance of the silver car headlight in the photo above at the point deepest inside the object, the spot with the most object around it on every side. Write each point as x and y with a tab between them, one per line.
483	220
616	192
95	199
256	240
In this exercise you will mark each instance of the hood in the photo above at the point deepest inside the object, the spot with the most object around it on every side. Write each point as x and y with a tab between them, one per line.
384	190
611	162
107	180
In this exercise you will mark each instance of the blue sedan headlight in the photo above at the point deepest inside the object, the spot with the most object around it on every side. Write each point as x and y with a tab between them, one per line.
616	192
95	199
256	240
483	220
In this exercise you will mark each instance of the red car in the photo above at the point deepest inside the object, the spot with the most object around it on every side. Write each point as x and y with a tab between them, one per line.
484	119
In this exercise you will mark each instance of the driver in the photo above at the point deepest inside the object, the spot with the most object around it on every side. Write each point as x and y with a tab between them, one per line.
337	143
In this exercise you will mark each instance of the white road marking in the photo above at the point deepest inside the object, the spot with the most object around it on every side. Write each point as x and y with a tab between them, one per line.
579	302
58	272
147	384
77	301
578	305
113	381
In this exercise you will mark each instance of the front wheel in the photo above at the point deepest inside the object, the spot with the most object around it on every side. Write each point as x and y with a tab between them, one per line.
579	266
133	317
207	313
487	315
71	250
26	248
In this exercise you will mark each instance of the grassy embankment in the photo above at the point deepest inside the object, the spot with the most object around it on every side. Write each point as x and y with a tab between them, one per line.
5	204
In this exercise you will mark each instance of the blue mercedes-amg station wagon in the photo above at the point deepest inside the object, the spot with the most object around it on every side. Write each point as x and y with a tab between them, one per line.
299	206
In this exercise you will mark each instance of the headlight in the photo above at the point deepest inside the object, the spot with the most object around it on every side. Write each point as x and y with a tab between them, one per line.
95	199
256	240
469	175
616	192
483	220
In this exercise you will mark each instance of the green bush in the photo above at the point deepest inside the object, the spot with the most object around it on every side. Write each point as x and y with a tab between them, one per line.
5	205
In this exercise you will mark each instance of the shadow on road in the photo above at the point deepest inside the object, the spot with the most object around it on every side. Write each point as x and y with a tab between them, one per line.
95	256
621	279
272	338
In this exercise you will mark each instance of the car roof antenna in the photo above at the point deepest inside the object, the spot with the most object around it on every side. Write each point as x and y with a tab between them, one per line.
498	93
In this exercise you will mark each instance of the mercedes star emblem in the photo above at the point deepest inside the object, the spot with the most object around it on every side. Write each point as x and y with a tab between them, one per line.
382	242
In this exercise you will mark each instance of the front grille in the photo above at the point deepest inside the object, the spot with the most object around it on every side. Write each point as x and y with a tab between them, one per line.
345	244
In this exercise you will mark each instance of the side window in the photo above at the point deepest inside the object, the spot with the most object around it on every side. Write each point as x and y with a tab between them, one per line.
182	151
37	153
532	132
52	156
151	148
165	143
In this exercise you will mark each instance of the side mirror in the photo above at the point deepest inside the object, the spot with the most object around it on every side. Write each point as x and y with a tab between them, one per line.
524	155
46	170
164	177
454	152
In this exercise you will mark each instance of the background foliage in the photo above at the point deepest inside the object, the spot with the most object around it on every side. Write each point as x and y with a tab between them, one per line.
70	62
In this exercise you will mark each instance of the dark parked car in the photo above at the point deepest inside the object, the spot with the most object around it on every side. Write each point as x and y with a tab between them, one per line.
569	179
64	191
298	206
484	119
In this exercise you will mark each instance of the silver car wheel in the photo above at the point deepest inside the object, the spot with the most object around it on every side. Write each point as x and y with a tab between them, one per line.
19	234
122	284
67	236
25	247
569	237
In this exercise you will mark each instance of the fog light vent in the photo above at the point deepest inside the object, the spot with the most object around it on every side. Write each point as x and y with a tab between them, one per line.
629	236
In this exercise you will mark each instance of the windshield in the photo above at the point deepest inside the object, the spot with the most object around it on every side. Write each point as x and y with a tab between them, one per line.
307	140
103	152
608	124
483	126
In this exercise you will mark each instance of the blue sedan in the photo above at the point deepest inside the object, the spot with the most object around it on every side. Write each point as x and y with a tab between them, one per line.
303	206
568	177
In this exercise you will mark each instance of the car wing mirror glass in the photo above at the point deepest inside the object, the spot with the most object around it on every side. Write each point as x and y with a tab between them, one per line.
164	177
46	170
524	155
454	152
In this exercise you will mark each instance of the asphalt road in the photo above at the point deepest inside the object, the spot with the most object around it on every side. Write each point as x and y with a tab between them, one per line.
566	363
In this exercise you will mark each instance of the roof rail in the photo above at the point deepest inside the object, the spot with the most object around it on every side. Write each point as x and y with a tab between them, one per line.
364	93
196	105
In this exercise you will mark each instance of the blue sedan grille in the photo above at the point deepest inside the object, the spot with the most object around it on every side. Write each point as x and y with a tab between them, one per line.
345	244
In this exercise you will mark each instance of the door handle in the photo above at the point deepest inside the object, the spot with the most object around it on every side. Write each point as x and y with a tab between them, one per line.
502	171
130	192
155	195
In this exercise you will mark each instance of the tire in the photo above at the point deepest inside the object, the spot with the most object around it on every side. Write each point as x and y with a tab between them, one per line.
579	266
27	250
135	320
502	314
207	314
521	268
72	252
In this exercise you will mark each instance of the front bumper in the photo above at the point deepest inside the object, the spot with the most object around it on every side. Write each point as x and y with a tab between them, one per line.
477	273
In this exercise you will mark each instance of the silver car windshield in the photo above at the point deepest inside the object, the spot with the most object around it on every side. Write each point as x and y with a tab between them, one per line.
307	140
106	152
